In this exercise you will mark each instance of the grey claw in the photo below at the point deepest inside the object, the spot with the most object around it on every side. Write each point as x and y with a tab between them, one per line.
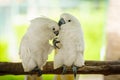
64	69
74	68
36	69
55	42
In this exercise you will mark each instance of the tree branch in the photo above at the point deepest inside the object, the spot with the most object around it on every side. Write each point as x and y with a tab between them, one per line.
91	67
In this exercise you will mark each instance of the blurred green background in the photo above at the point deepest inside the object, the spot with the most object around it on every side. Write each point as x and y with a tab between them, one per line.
16	14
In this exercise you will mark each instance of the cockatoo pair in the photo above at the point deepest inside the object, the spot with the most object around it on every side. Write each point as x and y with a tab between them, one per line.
35	47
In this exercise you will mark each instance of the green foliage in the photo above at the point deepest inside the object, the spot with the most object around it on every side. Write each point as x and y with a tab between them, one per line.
3	50
11	77
20	31
94	34
48	77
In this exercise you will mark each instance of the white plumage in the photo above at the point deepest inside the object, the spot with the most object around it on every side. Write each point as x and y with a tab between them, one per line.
35	47
71	39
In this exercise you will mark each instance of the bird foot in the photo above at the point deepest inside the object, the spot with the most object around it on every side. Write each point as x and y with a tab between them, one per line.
36	69
56	43
74	68
64	69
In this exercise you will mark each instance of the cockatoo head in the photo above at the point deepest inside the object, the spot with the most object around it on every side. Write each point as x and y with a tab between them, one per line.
46	25
54	27
66	18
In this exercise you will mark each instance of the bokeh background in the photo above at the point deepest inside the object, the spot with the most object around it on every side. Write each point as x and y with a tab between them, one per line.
15	16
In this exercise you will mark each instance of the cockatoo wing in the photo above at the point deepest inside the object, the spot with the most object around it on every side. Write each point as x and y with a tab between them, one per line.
25	55
79	50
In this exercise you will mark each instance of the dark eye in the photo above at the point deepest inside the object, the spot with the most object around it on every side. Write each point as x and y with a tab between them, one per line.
69	20
53	28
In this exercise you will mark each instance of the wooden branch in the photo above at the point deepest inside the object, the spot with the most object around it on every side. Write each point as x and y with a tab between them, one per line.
98	63
91	67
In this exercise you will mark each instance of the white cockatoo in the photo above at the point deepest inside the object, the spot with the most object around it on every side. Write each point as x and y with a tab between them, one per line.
70	52
35	47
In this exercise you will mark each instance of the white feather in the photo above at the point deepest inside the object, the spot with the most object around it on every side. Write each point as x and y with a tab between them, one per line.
35	47
71	38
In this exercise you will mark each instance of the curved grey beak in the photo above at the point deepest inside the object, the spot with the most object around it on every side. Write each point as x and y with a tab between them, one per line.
61	21
56	33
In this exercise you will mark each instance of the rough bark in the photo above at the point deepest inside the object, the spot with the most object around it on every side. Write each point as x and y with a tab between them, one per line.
91	67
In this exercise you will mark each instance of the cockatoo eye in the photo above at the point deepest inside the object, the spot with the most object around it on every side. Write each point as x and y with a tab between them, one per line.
69	20
53	29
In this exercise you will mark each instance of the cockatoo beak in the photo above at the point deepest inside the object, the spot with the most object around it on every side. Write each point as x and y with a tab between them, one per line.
61	21
56	33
